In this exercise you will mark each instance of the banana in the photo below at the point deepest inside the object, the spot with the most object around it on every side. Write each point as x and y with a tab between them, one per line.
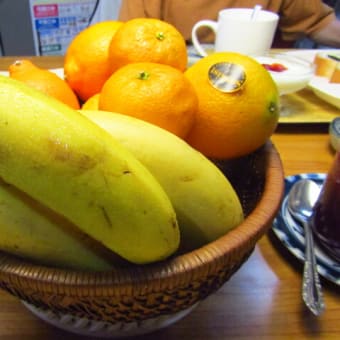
204	200
30	230
70	165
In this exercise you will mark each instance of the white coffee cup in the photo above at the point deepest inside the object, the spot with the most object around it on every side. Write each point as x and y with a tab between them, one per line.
239	30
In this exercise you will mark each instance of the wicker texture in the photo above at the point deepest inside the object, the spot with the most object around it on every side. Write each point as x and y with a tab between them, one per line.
142	292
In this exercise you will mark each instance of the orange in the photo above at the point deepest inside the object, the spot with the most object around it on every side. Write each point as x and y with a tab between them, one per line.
43	80
86	63
148	40
157	93
92	103
232	124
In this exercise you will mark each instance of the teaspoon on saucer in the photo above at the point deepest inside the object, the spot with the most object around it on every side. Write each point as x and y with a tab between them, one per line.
301	200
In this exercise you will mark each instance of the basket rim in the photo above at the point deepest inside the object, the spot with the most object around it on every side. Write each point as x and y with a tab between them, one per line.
188	266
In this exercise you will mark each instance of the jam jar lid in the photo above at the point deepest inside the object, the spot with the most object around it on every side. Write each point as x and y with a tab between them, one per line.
334	132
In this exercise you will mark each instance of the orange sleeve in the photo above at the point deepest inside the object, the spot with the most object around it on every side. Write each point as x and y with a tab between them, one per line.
301	18
183	14
140	9
297	17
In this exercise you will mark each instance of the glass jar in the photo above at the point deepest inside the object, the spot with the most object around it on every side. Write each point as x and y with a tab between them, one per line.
326	214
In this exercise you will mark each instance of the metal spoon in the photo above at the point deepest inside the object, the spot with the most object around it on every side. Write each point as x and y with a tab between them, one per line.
301	200
255	12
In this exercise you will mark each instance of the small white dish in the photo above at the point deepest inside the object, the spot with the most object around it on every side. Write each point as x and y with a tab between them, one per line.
293	73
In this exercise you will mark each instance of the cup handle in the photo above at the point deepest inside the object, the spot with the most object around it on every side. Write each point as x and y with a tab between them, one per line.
203	23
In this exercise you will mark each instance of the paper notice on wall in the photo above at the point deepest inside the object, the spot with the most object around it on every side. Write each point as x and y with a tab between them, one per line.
55	23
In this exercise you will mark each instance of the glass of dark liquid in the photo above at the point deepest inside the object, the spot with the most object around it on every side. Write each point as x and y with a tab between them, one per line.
326	215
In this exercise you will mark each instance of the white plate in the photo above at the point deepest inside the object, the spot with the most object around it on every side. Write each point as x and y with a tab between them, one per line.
328	92
309	55
58	71
321	87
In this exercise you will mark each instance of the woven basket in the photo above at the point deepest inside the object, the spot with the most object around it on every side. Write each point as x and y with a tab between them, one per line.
139	293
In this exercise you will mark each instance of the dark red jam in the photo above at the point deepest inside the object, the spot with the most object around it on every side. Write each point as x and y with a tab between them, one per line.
275	67
326	216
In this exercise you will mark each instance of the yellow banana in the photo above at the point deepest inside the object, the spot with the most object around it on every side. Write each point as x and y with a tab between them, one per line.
69	164
204	200
30	230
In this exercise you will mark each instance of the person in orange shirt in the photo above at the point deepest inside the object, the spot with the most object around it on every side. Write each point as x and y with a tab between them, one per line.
310	43
298	18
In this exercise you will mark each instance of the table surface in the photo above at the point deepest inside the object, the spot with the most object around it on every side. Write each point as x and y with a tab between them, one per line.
261	301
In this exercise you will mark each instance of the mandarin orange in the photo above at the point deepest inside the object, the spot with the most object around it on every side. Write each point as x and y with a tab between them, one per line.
157	93
232	122
86	63
148	40
43	80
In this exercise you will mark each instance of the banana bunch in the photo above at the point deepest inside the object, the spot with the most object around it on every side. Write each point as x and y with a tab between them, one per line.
31	230
74	168
206	204
91	189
